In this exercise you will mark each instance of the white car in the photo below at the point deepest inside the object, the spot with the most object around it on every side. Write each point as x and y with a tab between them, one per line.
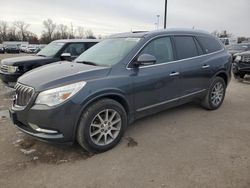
31	49
23	47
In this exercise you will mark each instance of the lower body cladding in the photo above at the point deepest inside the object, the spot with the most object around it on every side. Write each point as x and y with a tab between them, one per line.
9	79
50	124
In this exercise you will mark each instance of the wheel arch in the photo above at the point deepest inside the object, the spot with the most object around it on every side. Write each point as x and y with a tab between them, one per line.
223	75
117	96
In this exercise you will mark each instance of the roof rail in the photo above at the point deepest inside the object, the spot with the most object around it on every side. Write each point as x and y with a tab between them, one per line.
139	31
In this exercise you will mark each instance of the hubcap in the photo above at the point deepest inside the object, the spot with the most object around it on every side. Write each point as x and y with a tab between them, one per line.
105	127
217	94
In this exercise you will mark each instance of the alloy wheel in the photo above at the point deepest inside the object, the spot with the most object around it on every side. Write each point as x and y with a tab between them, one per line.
217	94
105	127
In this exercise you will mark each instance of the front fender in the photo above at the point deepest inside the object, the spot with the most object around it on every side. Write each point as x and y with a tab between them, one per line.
107	93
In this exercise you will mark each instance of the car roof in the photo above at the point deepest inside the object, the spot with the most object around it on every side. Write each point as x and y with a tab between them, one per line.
141	34
77	40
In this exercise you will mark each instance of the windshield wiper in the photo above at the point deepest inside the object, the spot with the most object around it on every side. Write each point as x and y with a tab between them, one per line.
88	63
41	55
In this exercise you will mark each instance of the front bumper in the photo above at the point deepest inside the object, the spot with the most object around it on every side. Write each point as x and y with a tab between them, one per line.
28	130
55	124
241	67
13	51
8	78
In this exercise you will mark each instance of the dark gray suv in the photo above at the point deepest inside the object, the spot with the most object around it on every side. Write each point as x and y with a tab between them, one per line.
121	79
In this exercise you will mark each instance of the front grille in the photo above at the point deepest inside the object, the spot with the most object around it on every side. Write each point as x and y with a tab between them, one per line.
23	94
4	68
246	59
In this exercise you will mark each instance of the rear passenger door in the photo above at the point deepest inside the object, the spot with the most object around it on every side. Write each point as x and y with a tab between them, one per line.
193	79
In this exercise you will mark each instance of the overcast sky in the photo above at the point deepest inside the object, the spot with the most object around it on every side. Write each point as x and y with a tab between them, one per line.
112	16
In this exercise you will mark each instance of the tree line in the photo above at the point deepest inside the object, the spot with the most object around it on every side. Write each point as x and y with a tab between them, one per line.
19	31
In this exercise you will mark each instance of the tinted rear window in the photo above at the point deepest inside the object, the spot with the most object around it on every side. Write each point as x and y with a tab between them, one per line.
185	47
209	44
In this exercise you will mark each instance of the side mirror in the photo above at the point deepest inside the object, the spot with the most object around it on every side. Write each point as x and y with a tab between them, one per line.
66	56
145	59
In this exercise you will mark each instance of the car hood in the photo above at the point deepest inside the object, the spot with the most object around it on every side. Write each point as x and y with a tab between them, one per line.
61	73
232	52
25	60
244	53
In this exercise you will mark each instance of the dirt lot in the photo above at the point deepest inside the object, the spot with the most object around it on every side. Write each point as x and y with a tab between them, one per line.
182	147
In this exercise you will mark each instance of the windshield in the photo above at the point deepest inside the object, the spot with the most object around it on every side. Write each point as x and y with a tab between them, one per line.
51	49
237	47
108	52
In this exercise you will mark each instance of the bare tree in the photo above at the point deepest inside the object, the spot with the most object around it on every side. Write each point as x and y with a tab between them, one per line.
225	34
22	26
89	34
32	38
12	34
80	32
72	32
215	33
50	27
63	30
3	30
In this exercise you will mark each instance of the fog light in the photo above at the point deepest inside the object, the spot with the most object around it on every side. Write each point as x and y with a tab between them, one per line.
38	129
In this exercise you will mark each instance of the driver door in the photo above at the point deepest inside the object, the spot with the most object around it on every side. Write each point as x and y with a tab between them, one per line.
157	85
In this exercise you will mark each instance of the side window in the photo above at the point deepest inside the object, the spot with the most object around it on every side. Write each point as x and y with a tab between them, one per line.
75	49
209	44
185	47
90	44
199	48
161	48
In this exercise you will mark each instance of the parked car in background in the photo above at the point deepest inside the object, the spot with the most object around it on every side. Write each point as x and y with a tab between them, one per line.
123	78
40	47
23	47
229	40
241	65
2	50
31	49
12	48
12	68
224	41
237	48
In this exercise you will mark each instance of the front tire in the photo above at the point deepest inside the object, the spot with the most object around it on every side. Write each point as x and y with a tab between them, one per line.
102	126
215	94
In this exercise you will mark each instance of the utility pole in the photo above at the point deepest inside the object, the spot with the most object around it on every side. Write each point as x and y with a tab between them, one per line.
165	15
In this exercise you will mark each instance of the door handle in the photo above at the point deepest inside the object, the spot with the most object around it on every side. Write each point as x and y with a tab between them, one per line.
205	66
174	74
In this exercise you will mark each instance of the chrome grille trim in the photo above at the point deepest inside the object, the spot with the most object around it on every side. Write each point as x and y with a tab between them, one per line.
246	59
4	68
23	95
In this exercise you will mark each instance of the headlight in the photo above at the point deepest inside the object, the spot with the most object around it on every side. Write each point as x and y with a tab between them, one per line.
58	95
12	69
238	58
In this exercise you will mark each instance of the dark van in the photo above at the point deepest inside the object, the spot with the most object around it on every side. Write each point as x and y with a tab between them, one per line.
12	68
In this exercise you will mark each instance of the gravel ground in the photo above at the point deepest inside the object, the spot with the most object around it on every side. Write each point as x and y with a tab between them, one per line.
183	147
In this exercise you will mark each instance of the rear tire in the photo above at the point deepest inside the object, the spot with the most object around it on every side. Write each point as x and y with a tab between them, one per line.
102	126
215	94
